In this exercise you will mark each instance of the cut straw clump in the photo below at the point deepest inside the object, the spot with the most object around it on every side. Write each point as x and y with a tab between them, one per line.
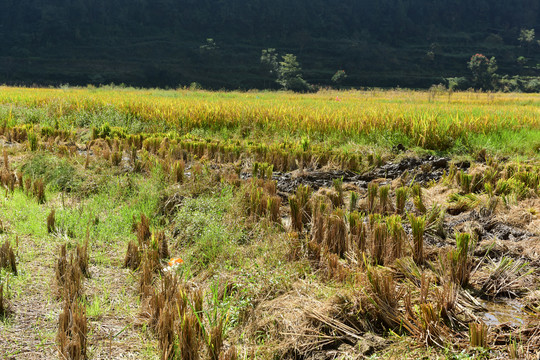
321	209
178	171
379	242
72	332
82	258
385	295
132	260
418	199
51	228
143	231
397	237
261	199
5	306
39	191
357	233
7	258
384	202
161	241
174	314
150	247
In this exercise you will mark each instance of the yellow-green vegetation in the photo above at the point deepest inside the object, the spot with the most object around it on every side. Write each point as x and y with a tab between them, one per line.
423	119
190	225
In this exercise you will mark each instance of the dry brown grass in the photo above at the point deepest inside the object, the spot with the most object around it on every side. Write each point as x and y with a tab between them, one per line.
214	341
146	277
173	313
39	191
178	171
6	159
132	260
478	334
51	222
72	332
5	306
229	354
68	276
143	232
7	258
163	246
82	257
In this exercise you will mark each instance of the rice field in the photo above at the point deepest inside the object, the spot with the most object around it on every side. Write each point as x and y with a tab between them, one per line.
431	120
179	224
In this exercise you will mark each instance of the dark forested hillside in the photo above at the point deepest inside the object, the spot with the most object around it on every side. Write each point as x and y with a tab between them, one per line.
413	43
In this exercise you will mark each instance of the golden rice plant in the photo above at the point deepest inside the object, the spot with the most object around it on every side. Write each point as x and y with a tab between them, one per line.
338	187
401	199
418	199
373	190
384	192
335	233
357	232
458	260
478	334
397	237
418	225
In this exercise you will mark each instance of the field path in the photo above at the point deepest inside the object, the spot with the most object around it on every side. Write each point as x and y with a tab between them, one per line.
111	302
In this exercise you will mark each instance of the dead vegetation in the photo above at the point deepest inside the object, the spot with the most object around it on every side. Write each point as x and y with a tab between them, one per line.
73	327
5	307
7	258
72	331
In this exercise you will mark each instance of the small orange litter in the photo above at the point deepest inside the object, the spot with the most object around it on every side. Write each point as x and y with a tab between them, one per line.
175	261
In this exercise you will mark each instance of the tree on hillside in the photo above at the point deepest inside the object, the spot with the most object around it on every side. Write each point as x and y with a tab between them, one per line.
290	74
339	77
483	71
288	71
269	59
526	38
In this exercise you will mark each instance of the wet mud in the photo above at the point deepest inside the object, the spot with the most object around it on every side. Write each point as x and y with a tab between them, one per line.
419	170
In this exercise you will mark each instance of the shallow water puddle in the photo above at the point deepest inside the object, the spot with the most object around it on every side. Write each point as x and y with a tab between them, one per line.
507	311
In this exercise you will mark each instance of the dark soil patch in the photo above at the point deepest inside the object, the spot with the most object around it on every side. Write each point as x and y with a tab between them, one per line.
422	170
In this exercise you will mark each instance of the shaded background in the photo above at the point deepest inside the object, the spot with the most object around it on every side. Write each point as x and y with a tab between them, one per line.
159	43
